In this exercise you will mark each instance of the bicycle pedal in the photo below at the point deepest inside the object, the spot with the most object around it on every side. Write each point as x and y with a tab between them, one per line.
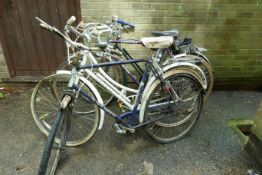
118	129
131	130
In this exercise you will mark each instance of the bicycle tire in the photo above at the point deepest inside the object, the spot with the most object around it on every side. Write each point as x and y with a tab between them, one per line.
49	163
45	101
167	131
207	69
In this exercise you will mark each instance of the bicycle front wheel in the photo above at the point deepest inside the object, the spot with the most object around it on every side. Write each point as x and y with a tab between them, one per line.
177	114
45	102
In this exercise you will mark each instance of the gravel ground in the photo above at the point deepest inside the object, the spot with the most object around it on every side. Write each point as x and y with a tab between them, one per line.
211	147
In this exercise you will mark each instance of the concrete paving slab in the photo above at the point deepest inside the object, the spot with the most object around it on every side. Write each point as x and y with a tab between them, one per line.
211	147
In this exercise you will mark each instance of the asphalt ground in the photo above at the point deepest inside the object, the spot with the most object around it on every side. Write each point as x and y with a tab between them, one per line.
211	147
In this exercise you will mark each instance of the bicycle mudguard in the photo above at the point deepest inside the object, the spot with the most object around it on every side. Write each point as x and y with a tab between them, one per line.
94	90
203	56
178	67
183	61
199	74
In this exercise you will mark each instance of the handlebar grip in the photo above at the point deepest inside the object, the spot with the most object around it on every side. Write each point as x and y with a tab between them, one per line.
47	27
40	20
71	20
44	25
125	23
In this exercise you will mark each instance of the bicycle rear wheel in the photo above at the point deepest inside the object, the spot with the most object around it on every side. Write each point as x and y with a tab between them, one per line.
204	65
178	117
45	102
53	152
207	69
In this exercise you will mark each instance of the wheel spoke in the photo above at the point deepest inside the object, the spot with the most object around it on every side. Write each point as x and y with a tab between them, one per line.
85	118
176	118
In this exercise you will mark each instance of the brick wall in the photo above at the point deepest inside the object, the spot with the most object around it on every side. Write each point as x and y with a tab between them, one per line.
231	30
3	67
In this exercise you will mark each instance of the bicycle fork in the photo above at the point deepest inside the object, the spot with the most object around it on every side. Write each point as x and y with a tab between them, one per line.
65	101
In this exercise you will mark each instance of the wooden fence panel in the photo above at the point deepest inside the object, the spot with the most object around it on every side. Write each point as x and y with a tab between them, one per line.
31	51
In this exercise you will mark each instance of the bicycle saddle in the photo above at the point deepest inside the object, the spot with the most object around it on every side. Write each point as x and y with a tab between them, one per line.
157	42
173	32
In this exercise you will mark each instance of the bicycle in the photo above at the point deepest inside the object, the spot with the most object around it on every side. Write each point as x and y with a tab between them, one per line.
169	92
184	51
58	83
179	48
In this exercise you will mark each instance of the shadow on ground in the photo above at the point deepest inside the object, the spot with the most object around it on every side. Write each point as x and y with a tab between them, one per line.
211	147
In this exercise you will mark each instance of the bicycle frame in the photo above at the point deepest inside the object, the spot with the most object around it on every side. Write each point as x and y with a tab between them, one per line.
119	118
127	56
106	81
159	56
134	107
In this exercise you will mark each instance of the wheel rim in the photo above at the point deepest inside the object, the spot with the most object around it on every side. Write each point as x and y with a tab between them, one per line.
85	117
173	128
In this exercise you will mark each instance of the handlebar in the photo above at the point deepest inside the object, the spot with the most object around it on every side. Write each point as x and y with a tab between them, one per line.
71	20
69	28
120	21
46	26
